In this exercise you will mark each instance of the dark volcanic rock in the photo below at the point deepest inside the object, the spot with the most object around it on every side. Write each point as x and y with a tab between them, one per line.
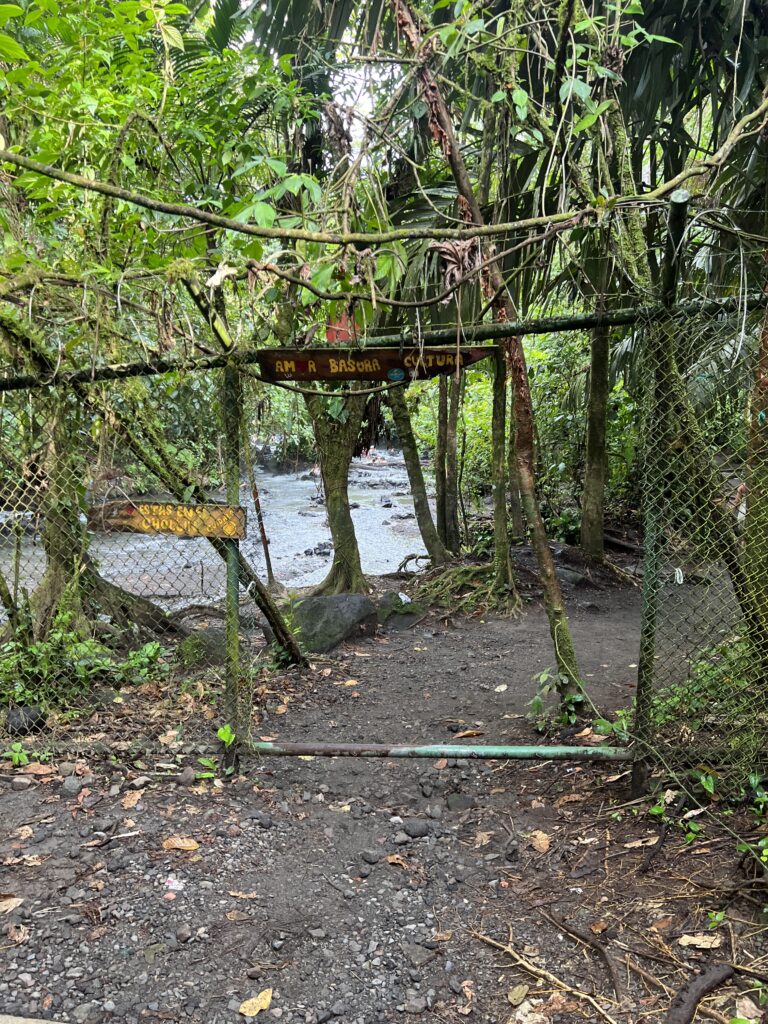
23	720
325	622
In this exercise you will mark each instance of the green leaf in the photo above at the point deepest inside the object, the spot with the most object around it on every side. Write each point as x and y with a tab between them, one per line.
589	119
172	36
9	11
10	49
498	96
574	87
263	214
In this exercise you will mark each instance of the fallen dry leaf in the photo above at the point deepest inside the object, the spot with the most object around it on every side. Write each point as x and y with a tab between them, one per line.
169	739
24	832
662	924
482	839
182	843
35	768
598	927
710	940
281	709
131	799
746	1010
260	1002
243	895
17	933
442	763
528	1013
31	860
466	733
442	936
539	841
395	858
569	798
635	844
516	995
9	902
237	915
468	990
347	682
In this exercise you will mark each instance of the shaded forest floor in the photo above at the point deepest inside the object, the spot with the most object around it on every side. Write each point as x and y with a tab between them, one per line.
371	891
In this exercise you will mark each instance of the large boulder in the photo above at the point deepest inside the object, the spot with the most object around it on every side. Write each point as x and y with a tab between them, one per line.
203	648
324	622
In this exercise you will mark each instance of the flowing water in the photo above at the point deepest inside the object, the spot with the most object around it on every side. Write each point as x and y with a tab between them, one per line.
176	571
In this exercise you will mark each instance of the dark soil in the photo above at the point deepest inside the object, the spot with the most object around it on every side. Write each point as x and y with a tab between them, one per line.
367	891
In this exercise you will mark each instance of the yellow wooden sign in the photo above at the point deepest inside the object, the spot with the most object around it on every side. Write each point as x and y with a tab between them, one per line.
226	521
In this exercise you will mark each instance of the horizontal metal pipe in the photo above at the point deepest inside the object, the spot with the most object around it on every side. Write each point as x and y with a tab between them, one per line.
472	751
439	336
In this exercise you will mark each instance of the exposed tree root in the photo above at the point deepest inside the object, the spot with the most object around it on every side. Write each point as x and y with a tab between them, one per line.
467	588
683	1007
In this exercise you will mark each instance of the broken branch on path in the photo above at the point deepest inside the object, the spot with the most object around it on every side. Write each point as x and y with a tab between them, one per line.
683	1007
594	943
543	975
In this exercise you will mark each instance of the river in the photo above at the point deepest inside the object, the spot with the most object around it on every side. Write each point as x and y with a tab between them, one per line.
176	571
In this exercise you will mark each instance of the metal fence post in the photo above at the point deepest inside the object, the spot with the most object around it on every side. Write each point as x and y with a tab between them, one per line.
654	497
235	713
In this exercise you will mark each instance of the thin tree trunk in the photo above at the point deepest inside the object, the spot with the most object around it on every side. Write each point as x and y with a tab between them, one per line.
440	448
596	460
502	559
435	547
504	311
513	475
452	532
336	441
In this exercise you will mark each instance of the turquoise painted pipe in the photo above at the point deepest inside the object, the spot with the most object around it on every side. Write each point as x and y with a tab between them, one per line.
537	753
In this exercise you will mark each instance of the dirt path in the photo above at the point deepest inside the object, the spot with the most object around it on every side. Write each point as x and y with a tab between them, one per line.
351	888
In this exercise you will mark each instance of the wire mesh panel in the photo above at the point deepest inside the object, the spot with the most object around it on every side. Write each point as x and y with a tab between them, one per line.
112	610
704	648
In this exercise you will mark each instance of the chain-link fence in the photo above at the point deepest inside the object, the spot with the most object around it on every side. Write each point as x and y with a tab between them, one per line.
122	515
704	647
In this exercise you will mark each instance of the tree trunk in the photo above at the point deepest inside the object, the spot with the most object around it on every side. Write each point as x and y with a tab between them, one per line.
443	129
440	448
336	439
452	532
596	465
513	475
502	560
756	524
435	547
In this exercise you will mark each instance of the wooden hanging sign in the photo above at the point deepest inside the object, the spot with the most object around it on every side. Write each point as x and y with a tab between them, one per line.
212	520
384	364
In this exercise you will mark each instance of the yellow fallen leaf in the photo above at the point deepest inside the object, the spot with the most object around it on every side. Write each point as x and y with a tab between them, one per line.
466	733
237	915
539	841
281	709
131	799
598	927
260	1002
347	682
482	839
442	763
9	903
183	843
516	995
243	895
710	940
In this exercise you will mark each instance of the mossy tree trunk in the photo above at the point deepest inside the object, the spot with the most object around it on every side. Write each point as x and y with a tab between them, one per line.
432	542
756	524
336	431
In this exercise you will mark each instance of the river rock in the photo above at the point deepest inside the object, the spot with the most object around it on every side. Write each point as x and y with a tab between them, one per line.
206	647
25	719
324	622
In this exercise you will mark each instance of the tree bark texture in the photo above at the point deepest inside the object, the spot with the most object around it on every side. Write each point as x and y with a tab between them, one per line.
335	442
452	530
596	458
440	449
435	548
513	475
502	559
443	132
